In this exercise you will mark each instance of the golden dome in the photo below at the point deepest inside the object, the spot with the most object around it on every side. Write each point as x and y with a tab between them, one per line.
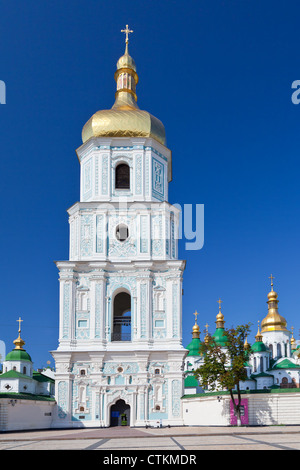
273	321
124	119
220	317
196	329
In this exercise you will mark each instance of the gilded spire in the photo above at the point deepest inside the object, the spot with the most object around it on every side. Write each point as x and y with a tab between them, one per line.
293	341
258	336
19	342
246	344
207	335
126	78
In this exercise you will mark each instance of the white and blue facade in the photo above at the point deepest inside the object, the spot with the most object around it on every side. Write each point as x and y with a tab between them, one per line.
120	333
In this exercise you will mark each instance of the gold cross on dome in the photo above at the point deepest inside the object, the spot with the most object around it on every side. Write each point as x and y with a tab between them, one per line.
127	31
219	302
20	320
271	277
206	326
196	314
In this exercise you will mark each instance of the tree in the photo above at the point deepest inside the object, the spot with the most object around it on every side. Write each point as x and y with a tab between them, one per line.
224	368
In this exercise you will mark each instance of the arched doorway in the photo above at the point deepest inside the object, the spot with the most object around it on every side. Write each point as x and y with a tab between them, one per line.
120	414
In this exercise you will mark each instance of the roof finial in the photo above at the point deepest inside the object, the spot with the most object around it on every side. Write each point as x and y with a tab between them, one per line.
20	320
127	31
271	277
206	339
258	336
19	342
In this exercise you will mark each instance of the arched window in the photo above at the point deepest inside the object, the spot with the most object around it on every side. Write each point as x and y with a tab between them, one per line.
254	364
121	317
284	382
278	350
24	370
261	364
271	350
122	176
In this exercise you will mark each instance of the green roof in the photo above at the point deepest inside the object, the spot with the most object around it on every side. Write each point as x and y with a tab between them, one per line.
26	396
40	377
272	389
220	337
18	355
193	347
13	374
190	381
259	346
261	374
286	364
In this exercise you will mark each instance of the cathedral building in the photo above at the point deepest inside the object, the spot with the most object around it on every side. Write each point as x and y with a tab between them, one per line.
120	352
270	392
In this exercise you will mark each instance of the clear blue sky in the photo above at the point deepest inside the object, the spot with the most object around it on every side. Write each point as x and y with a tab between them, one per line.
218	74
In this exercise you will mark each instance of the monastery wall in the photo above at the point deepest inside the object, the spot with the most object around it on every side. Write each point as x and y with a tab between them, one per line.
262	409
16	414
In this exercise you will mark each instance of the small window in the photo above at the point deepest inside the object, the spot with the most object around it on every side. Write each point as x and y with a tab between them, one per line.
157	371
24	370
122	176
122	232
81	408
157	408
82	372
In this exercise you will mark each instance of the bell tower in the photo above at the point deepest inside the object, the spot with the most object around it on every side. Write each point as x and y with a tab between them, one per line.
120	333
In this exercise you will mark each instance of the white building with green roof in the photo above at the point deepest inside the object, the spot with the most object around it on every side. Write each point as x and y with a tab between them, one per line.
26	395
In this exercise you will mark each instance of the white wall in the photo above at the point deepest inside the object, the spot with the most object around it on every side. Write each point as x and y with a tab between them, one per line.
204	411
25	414
264	409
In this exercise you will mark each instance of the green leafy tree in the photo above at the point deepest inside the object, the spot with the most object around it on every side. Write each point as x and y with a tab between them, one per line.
224	368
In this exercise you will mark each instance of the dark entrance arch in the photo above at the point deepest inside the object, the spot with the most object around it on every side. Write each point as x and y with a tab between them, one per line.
121	317
120	414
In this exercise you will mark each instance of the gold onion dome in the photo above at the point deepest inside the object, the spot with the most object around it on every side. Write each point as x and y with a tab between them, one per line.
124	119
196	329
273	321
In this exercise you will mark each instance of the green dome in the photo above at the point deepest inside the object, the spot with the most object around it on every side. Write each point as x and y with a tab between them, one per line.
220	338
190	381
18	355
259	346
193	347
